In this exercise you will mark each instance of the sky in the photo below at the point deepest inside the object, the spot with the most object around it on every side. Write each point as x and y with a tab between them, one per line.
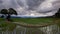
32	7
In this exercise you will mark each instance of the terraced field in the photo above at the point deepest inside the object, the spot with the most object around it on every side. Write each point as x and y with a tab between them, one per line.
33	20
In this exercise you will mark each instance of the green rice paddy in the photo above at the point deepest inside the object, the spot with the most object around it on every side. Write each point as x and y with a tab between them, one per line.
33	20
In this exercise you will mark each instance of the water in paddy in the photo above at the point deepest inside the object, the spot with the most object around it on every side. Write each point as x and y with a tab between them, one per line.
52	29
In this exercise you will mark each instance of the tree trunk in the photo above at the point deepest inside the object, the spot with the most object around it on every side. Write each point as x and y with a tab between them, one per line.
8	17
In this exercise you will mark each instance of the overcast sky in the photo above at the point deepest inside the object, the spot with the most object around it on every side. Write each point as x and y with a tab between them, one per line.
32	7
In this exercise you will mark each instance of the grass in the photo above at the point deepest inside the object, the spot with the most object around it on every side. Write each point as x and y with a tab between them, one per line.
4	25
7	26
33	20
10	26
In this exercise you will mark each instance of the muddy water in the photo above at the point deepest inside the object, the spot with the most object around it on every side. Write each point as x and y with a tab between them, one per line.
52	29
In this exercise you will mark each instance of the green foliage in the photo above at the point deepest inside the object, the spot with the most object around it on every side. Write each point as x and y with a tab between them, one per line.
58	13
8	13
58	22
3	26
12	11
7	26
4	11
11	27
33	20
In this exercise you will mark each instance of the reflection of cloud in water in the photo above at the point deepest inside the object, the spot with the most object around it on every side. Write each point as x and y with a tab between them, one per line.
32	7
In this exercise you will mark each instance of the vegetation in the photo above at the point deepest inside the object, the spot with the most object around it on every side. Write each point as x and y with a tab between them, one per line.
57	17
10	26
33	20
6	26
8	13
57	14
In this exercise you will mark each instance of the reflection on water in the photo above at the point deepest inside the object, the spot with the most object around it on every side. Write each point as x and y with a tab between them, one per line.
52	29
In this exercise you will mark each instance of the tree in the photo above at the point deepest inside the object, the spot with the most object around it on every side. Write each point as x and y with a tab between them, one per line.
4	12
12	11
8	13
58	13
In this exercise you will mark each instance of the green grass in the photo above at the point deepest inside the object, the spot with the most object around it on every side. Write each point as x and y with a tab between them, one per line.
33	20
11	26
4	25
7	26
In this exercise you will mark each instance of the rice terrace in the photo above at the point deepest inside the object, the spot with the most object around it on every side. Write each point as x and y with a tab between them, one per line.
10	23
29	16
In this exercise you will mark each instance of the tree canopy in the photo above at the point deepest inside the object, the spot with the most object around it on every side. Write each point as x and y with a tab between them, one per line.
4	11
12	11
8	13
58	13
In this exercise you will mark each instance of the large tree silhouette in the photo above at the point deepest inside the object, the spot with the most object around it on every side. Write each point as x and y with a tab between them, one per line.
4	12
58	14
8	13
12	11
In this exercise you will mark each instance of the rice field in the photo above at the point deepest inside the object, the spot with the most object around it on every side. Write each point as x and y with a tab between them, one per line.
33	20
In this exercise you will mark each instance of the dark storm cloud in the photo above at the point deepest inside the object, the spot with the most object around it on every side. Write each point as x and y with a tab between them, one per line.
20	3
1	1
32	7
33	4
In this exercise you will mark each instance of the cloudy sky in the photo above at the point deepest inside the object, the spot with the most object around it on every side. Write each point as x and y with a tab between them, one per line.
32	7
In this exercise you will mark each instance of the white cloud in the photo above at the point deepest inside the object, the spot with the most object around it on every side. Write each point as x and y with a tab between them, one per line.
48	5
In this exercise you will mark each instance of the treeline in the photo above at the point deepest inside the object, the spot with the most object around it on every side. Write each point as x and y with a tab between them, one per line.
57	14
